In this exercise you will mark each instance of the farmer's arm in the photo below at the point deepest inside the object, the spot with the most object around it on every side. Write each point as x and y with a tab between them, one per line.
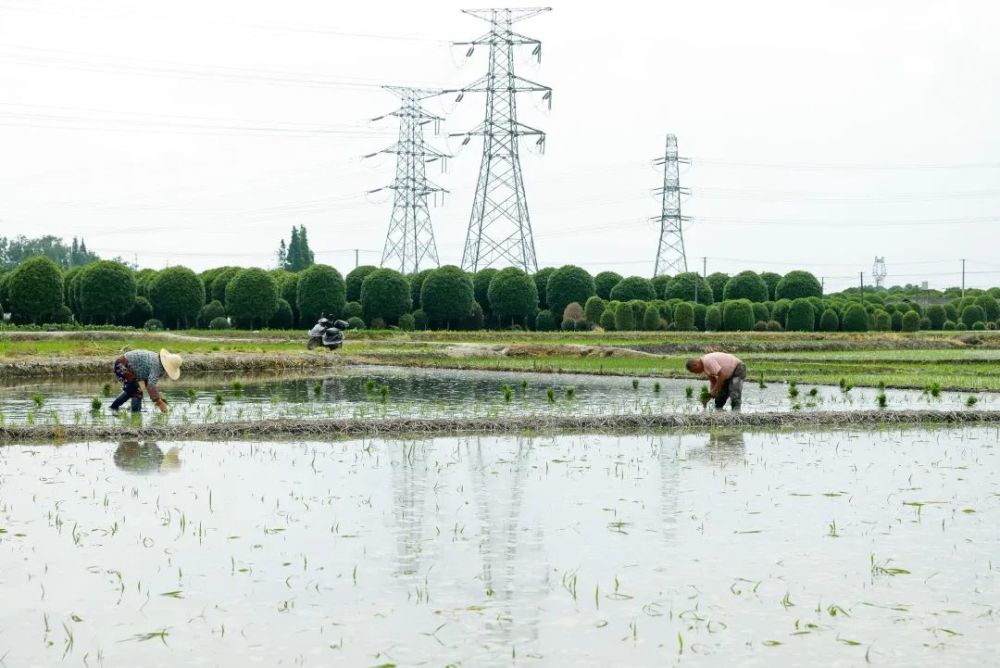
154	391
715	374
717	382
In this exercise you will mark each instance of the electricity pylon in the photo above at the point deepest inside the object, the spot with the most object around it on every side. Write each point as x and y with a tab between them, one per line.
409	244
499	226
670	257
879	271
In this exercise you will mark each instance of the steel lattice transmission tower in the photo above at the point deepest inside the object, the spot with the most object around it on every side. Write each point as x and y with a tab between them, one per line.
409	244
499	226
879	271
670	256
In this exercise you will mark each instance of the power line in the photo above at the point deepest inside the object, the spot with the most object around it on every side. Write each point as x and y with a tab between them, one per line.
722	162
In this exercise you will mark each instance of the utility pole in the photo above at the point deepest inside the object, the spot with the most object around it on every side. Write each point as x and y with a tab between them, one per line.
499	225
963	278
357	262
670	256
704	267
409	243
862	287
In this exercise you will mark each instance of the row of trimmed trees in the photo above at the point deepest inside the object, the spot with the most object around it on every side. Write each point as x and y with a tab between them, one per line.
568	297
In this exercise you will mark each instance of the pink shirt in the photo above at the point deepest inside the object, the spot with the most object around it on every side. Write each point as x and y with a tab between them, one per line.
720	365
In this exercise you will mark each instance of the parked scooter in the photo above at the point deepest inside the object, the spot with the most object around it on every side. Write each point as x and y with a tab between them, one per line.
327	333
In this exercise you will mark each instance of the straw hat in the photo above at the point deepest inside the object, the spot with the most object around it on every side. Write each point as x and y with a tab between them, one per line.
171	363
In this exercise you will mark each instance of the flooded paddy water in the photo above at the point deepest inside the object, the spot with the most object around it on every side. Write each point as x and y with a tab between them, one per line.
753	548
372	392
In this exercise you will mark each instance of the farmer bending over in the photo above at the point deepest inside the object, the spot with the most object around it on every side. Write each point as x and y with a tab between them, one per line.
141	369
726	373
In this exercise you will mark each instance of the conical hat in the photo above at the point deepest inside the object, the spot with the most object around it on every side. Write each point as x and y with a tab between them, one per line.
171	363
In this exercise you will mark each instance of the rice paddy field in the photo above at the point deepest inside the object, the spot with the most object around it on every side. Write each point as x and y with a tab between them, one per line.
839	548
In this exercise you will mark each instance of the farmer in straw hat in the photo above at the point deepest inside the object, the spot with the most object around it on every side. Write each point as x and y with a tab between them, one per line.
139	370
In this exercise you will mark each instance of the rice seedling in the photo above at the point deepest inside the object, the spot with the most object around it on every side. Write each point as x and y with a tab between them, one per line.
689	392
191	394
551	394
635	383
971	401
370	385
881	399
656	386
813	392
881	386
237	387
95	404
38	399
706	394
935	390
106	389
384	392
219	399
762	384
318	388
570	392
508	393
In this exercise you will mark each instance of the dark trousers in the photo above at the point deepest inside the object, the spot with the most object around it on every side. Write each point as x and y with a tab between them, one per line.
732	389
130	387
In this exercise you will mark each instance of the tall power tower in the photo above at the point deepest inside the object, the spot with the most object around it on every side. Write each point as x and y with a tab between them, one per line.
879	271
409	244
499	226
670	257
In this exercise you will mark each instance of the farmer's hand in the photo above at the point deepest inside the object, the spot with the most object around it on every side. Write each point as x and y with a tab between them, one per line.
162	405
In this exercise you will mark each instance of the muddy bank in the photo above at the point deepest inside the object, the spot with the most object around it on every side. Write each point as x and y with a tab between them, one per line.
193	363
423	427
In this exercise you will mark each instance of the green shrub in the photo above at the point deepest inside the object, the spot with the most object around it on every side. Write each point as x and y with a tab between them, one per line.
35	290
771	280
107	291
353	310
568	325
420	320
684	286
936	315
416	283
624	318
713	318
798	284
608	320
774	326
177	295
761	312
990	306
760	326
220	322
406	322
354	280
583	326
288	287
651	318
780	310
513	296
660	284
573	311
385	294
568	283
961	326
62	315
481	287
474	319
718	282
925	323
829	321
801	316
950	312
209	312
700	312
544	322
882	322
594	309
321	290
377	323
633	287
896	321
683	317
978	325
737	315
541	278
855	318
152	324
283	317
746	285
911	321
604	282
219	283
252	297
355	322
140	312
638	311
973	314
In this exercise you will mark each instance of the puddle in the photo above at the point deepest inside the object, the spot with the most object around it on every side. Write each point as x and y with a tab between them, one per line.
819	548
358	393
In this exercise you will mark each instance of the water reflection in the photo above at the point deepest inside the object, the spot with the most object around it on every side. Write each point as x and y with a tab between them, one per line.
409	495
724	446
145	457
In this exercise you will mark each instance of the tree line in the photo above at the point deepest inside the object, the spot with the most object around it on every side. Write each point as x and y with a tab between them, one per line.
104	292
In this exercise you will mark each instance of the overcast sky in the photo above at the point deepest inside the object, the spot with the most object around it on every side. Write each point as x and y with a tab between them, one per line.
820	134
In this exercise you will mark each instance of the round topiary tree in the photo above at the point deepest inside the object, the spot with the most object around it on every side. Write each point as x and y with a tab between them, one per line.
153	325
700	312
801	316
746	285
107	291
604	282
513	296
798	284
447	296
568	283
684	286
252	297
882	321
385	294
140	312
683	317
972	314
220	282
911	321
416	283
737	315
896	320
594	309
771	280
712	322
633	287
352	310
544	322
283	317
321	290
177	294
651	318
222	322
660	284
354	279
355	323
210	311
718	282
780	310
542	283
950	312
761	313
948	326
855	318
36	290
607	320
936	316
288	286
481	287
829	321
990	306
573	312
624	318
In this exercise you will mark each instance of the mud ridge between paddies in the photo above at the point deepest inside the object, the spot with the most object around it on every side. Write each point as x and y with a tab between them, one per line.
193	363
404	427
